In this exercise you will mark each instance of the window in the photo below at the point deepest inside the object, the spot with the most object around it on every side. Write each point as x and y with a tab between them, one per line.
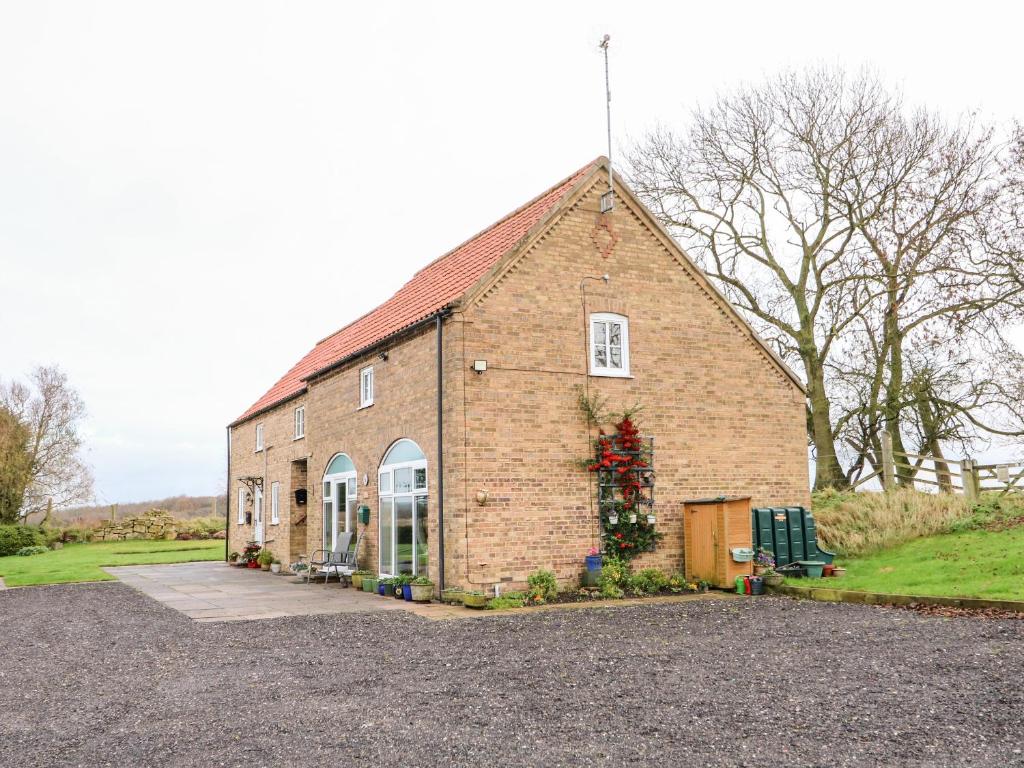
402	485
339	499
609	345
259	437
366	387
241	506
300	422
275	503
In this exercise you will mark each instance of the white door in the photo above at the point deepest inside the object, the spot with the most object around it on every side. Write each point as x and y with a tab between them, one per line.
257	517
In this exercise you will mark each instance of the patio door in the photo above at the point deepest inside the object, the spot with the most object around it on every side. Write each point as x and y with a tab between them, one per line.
257	516
402	485
339	499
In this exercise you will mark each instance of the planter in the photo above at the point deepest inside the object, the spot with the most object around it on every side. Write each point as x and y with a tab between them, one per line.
591	578
451	596
813	568
396	591
382	589
759	570
613	519
407	592
773	580
265	567
651	519
593	562
828	570
275	567
838	572
421	593
357	580
369	584
252	564
474	601
632	518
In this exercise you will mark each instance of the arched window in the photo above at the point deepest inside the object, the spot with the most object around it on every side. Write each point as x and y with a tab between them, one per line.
339	498
402	484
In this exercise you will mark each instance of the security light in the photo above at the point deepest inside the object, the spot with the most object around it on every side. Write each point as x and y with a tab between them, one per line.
479	366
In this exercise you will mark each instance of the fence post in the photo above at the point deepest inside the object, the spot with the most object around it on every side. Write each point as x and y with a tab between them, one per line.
888	464
968	478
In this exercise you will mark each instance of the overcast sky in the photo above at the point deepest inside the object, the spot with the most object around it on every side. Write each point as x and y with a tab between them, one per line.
193	193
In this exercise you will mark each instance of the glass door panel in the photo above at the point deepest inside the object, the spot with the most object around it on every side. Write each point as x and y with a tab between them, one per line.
403	533
387	531
338	522
422	553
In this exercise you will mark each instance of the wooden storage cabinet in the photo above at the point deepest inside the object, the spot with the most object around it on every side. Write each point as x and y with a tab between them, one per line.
712	528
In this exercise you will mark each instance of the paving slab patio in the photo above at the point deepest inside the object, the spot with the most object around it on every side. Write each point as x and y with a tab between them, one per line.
214	591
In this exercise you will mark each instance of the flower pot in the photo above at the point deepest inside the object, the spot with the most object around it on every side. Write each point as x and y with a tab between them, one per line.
451	596
613	519
773	579
369	584
828	570
252	564
382	589
407	592
265	567
357	580
421	593
838	572
651	519
397	592
593	562
474	601
275	567
632	518
759	570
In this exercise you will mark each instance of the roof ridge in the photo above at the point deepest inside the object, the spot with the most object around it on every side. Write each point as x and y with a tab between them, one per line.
596	161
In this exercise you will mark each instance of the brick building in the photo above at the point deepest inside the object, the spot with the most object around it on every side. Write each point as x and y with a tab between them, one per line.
451	411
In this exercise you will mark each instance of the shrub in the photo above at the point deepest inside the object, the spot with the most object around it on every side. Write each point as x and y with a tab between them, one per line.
649	581
28	551
508	600
15	537
610	589
200	527
854	524
543	586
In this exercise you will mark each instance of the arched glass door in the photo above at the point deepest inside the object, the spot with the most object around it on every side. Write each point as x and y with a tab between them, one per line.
402	484
339	499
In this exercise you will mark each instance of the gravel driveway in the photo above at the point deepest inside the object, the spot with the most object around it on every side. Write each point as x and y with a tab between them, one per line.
101	675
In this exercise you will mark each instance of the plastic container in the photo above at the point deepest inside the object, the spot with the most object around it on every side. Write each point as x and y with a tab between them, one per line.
739	585
756	585
407	592
593	562
746	585
813	568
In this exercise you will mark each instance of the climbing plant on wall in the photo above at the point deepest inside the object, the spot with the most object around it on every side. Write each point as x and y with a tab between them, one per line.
624	466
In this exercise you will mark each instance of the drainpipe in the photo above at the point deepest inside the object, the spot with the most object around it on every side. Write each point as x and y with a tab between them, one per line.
440	453
227	500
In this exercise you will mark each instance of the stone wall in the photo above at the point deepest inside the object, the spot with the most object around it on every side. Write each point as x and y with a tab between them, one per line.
155	524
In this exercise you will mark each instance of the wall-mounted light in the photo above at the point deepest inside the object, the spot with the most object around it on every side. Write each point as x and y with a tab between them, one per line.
482	496
479	366
383	355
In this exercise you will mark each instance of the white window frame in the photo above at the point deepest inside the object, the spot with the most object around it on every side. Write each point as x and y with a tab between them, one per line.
241	506
388	470
608	370
259	438
275	503
300	422
330	496
366	393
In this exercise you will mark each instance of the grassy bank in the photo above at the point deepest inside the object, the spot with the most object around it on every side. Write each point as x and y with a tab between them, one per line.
976	563
82	562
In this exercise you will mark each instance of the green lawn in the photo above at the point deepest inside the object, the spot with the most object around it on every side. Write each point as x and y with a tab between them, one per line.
82	562
987	564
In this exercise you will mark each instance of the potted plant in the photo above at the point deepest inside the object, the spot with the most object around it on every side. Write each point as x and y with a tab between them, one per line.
299	568
474	599
233	558
421	589
632	517
370	583
266	558
250	556
451	595
385	587
613	519
357	578
401	585
275	566
651	519
764	562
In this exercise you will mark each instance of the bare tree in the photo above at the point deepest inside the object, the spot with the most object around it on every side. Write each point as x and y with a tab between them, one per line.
50	409
759	190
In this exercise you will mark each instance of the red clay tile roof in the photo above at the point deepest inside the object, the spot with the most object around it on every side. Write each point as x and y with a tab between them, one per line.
433	288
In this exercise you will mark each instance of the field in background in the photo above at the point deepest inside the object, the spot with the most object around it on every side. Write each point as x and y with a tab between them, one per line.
182	507
82	562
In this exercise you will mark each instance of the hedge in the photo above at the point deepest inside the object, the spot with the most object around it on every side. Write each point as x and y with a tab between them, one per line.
15	537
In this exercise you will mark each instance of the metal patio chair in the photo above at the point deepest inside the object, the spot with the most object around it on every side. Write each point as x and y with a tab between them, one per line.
339	561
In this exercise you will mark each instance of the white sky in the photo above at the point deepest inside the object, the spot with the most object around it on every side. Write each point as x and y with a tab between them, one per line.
193	193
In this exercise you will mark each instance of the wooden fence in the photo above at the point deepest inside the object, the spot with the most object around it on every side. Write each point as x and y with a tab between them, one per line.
964	476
